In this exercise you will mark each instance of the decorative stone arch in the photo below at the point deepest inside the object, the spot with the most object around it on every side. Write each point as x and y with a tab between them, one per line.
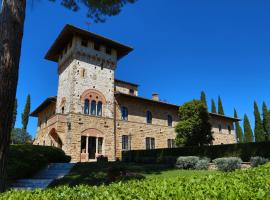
92	94
92	132
55	138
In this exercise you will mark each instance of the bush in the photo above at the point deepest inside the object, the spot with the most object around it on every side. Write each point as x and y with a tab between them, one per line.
102	160
228	164
202	164
242	150
25	160
257	161
247	184
188	162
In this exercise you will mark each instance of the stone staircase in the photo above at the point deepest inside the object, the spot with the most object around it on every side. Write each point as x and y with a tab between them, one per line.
44	177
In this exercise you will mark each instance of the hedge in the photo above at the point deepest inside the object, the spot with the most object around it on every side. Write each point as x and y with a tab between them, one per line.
25	160
244	151
246	184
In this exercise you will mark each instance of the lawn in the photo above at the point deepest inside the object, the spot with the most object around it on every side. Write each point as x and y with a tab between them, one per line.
93	174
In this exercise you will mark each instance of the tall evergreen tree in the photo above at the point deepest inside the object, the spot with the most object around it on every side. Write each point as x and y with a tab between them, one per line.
238	129
266	120
15	113
203	99
25	114
213	106
258	131
220	107
248	134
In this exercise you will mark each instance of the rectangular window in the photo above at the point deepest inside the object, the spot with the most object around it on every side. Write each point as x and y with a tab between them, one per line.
100	142
96	46
150	143
171	143
125	142
108	51
84	43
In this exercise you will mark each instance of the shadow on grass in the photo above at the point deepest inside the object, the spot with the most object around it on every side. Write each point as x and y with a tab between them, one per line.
94	174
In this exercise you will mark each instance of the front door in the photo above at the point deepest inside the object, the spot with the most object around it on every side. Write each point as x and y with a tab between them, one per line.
92	148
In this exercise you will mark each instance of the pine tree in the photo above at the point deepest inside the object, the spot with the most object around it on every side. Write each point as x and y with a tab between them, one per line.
238	129
15	113
266	120
25	114
220	107
258	131
248	134
203	99
213	106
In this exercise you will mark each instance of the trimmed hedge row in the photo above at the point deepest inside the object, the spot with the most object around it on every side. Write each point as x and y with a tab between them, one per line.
246	184
244	151
26	160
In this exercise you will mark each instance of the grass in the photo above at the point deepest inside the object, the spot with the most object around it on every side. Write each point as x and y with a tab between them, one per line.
93	174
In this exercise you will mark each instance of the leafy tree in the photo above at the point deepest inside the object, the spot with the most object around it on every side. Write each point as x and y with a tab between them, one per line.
193	127
213	106
203	99
220	107
258	131
12	16
266	120
238	129
248	134
26	112
20	136
14	113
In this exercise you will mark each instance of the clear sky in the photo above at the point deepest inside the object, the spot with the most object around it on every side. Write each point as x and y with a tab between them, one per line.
180	48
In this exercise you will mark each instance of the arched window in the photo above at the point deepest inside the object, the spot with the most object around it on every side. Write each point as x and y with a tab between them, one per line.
99	108
149	117
86	106
63	110
93	107
170	120
124	112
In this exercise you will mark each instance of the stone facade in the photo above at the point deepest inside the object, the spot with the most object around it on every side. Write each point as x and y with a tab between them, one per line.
94	114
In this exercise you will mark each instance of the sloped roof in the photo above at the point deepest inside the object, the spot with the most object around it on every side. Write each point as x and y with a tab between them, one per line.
43	105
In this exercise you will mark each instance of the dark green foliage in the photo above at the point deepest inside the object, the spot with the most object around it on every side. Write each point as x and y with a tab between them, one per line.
20	136
228	164
248	134
187	162
25	160
258	131
213	106
241	184
25	114
202	164
15	112
238	129
266	120
193	127
203	99
220	107
242	150
97	10
257	161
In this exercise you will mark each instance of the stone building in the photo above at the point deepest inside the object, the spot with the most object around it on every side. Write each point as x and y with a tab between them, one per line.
95	114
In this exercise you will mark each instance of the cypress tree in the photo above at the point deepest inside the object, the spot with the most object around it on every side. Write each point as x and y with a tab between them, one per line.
266	120
238	129
258	131
220	107
248	134
14	113
203	99
25	114
213	106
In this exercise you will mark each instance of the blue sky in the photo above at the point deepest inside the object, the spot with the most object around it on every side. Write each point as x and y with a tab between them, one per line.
181	48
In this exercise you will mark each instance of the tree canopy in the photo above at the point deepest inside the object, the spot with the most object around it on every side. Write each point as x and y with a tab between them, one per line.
248	134
238	129
213	106
266	120
220	107
193	127
26	112
203	99
258	131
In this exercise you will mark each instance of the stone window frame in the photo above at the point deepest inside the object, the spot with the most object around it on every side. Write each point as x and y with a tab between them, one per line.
124	113
126	142
169	120
171	143
150	143
149	117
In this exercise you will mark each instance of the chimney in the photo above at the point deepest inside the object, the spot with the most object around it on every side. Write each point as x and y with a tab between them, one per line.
155	97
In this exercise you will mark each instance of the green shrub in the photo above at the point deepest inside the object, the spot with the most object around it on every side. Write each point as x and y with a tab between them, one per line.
102	160
188	162
242	150
202	164
228	164
242	184
26	160
257	161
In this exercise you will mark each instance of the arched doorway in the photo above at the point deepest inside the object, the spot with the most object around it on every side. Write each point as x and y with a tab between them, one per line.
92	144
55	139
